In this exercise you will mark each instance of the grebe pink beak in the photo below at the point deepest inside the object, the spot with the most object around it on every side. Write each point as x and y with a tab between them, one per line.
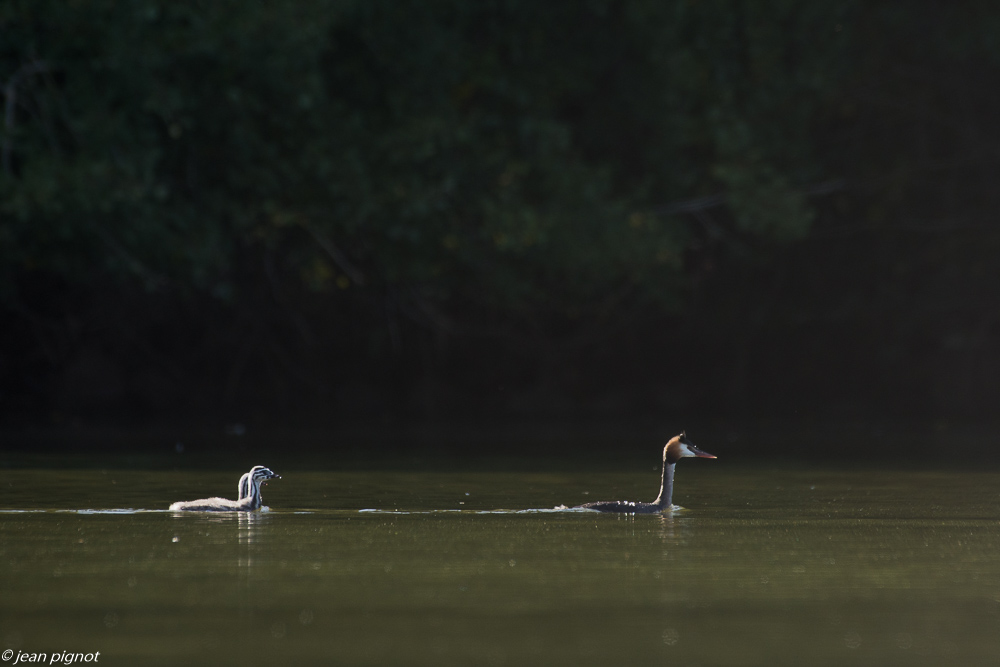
689	449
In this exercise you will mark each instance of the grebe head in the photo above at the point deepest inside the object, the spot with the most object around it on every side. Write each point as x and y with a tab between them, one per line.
680	447
260	474
257	474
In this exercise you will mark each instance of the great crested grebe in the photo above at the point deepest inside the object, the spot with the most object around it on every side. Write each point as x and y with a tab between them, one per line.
249	492
676	449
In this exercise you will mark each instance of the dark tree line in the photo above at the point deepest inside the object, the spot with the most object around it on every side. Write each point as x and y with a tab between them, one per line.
336	209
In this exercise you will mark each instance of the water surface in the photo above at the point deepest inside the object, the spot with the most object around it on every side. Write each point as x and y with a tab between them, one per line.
776	567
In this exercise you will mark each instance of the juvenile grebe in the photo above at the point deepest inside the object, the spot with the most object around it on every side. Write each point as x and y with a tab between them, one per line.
677	448
249	492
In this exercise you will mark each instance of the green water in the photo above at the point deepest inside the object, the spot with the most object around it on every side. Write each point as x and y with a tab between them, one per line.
763	567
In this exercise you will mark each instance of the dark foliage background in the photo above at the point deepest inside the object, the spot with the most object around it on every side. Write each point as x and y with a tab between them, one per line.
332	211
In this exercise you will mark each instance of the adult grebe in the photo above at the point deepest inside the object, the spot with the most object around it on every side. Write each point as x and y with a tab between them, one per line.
677	448
249	491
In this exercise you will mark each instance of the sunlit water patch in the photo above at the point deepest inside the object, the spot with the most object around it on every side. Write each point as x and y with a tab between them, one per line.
793	567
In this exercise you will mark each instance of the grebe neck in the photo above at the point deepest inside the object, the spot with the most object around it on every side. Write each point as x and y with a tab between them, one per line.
256	500
666	486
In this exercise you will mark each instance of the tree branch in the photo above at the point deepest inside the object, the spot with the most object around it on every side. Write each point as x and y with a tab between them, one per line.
699	204
10	102
338	257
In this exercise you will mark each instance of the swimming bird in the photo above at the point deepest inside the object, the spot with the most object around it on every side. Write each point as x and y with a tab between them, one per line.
243	488
249	495
676	449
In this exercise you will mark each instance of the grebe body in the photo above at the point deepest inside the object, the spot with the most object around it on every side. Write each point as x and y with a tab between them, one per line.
250	498
677	448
